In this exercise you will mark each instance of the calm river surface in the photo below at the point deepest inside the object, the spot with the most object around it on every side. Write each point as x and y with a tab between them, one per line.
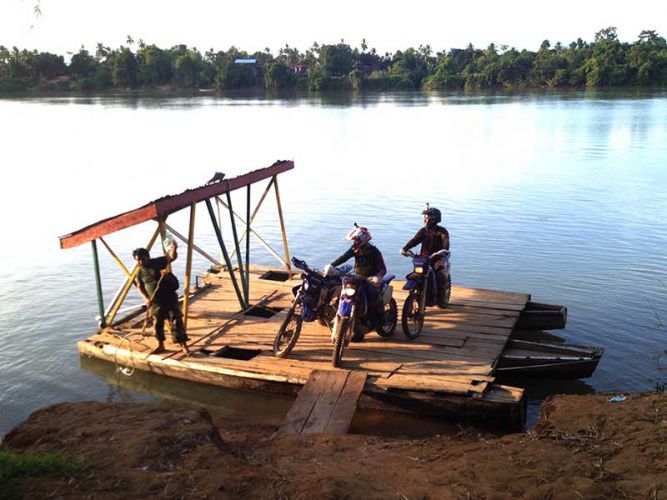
563	196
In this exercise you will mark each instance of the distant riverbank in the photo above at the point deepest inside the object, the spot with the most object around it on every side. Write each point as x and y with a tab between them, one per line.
583	446
604	62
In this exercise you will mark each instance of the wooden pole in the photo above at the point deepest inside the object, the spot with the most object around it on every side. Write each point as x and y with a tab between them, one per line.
254	212
194	247
247	243
237	248
115	258
130	281
217	207
228	263
98	283
282	225
261	240
188	266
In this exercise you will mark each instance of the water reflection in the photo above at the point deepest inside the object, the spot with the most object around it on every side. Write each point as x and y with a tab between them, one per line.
248	406
226	403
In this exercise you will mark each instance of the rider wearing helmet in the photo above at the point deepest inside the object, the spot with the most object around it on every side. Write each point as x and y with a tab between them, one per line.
369	264
432	238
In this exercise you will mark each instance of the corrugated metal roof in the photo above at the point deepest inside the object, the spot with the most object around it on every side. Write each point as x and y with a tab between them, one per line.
169	204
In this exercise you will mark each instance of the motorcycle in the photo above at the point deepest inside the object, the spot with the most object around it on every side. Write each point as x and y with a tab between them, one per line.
422	286
352	315
314	299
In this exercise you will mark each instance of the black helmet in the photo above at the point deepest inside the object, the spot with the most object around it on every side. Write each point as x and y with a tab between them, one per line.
433	214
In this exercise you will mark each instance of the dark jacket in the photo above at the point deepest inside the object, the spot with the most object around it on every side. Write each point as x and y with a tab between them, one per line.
431	239
368	261
150	277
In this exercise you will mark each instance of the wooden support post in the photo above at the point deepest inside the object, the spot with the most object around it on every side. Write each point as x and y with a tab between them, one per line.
98	282
130	281
188	266
217	207
247	243
282	225
254	212
115	258
259	238
237	249
228	263
194	247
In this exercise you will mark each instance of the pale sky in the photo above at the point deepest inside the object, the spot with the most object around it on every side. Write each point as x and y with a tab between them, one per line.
255	24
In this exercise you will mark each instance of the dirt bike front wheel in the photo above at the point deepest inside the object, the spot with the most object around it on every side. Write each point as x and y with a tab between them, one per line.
412	319
288	334
340	333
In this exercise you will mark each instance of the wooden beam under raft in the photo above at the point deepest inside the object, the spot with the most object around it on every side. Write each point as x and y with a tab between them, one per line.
448	371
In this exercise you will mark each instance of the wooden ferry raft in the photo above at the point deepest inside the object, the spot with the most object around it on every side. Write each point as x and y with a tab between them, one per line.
448	371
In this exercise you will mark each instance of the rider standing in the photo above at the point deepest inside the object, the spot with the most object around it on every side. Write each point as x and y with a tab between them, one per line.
369	264
433	238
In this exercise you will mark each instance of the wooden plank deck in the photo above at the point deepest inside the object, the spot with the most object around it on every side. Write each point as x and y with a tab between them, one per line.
454	356
326	403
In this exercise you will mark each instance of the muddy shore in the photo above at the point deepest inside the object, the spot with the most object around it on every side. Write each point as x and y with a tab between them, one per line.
582	447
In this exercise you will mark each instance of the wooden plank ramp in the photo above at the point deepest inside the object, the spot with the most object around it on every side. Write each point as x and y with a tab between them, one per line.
326	403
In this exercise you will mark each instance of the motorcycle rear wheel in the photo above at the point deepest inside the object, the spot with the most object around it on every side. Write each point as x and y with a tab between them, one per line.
412	319
288	334
448	289
390	319
342	325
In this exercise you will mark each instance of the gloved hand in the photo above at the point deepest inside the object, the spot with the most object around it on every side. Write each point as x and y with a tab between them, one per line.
374	280
406	253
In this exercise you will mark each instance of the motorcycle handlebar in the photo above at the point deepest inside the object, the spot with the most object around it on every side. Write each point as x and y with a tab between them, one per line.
410	253
444	251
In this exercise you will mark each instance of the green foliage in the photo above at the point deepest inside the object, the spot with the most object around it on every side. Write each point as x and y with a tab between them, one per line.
125	69
236	76
356	78
279	76
187	67
155	66
336	60
318	79
16	467
604	62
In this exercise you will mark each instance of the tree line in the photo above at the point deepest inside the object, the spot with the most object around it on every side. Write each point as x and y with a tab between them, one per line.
604	62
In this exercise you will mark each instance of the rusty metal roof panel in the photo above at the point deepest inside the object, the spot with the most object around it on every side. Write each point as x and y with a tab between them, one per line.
169	204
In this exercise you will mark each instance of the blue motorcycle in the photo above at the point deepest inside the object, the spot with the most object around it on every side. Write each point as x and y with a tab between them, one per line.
352	316
314	299
422	286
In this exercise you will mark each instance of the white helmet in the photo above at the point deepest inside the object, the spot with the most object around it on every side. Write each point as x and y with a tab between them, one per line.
359	236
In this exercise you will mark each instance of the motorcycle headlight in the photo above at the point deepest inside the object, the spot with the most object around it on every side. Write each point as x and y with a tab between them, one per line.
419	270
349	291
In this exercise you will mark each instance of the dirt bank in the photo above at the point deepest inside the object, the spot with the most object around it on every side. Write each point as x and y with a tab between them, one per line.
583	447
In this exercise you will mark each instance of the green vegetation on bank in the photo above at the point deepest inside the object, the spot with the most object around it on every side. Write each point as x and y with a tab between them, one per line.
16	467
605	62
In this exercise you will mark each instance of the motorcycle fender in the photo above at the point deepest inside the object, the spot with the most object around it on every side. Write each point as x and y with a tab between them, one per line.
345	308
387	293
409	285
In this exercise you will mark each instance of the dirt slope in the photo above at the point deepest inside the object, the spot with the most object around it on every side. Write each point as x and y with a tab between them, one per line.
583	447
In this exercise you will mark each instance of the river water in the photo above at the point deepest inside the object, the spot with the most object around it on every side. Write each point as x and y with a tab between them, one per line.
561	195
